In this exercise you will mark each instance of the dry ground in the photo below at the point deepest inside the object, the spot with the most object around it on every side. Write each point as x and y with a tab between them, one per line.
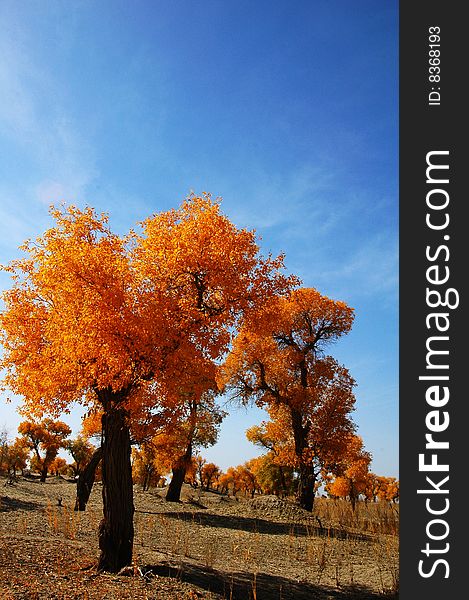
204	547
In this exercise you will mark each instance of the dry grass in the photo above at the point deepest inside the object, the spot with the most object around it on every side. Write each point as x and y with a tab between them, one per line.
260	549
368	517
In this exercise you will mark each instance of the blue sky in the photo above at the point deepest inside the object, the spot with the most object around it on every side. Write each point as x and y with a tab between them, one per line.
289	111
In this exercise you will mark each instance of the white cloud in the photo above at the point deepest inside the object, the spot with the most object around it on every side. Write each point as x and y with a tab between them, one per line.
264	201
342	241
50	192
373	267
35	121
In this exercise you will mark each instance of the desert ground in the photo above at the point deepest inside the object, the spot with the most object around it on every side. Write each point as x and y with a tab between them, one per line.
207	546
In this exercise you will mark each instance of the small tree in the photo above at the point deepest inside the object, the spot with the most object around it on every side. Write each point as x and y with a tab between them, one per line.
191	474
393	489
14	456
199	462
382	488
272	478
59	466
198	429
3	449
147	466
278	361
275	469
81	450
45	439
209	475
352	470
248	479
230	481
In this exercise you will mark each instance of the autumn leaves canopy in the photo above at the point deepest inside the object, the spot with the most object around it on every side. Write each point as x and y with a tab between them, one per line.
91	310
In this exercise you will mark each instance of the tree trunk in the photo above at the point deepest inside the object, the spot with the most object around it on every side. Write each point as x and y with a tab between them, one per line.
307	475
306	483
116	531
45	468
148	477
283	483
179	473
353	496
86	479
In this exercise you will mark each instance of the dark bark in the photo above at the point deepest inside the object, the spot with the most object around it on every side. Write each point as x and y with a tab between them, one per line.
146	481
283	482
353	496
44	473
86	479
179	473
116	531
307	474
179	470
306	483
147	478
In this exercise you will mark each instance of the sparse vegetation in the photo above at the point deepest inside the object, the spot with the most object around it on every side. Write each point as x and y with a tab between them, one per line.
217	548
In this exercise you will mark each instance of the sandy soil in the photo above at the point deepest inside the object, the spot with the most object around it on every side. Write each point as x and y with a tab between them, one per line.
207	546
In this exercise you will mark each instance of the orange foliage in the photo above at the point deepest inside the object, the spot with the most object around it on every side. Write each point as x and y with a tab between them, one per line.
81	451
340	487
67	296
276	435
209	475
59	466
210	271
352	470
239	478
278	361
229	481
382	488
91	426
392	492
272	477
147	466
14	456
47	437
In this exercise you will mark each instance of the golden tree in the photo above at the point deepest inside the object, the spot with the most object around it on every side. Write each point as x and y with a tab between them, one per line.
59	466
274	470
81	450
14	456
45	438
209	475
278	361
230	480
147	465
352	470
273	478
392	491
110	321
199	428
384	488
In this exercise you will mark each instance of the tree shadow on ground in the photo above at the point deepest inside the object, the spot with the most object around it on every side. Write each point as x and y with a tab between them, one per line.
264	526
8	504
246	586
